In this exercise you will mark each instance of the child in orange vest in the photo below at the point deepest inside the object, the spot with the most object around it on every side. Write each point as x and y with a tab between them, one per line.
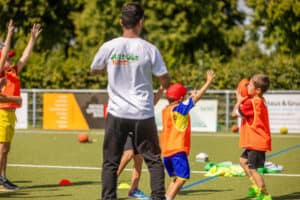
176	133
255	136
11	88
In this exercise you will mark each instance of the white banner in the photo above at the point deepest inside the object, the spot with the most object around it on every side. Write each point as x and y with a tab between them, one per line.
22	113
284	111
203	115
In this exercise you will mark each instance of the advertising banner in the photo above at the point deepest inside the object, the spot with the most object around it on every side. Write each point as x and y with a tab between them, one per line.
203	115
70	111
22	113
284	111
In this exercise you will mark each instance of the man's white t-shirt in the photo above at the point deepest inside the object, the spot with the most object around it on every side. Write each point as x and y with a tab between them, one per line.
130	63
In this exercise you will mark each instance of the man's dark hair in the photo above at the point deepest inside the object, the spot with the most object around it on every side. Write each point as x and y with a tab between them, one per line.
132	13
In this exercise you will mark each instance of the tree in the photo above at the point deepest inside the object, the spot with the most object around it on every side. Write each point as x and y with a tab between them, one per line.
281	20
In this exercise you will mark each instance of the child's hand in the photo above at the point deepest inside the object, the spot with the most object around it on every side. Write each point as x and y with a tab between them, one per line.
36	30
3	82
19	101
210	74
239	97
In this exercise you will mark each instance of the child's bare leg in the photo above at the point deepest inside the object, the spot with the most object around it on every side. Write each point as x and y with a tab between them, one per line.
259	180
136	173
174	187
126	157
4	149
244	165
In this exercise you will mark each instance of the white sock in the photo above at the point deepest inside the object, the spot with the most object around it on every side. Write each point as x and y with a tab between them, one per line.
168	198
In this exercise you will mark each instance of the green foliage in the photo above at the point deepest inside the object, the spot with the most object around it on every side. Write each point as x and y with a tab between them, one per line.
281	19
192	36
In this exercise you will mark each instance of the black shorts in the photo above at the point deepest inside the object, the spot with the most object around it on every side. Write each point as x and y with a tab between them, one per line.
256	159
129	145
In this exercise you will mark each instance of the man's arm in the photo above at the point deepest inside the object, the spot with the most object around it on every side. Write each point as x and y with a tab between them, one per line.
196	95
158	94
35	32
164	81
5	49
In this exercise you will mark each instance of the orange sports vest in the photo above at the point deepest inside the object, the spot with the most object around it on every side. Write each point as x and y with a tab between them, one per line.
173	140
12	87
257	136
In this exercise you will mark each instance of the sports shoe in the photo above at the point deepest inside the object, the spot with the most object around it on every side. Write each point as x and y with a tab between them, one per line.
253	191
264	197
6	185
136	193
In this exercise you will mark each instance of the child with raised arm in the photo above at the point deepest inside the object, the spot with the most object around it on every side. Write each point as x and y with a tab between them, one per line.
176	133
12	88
255	136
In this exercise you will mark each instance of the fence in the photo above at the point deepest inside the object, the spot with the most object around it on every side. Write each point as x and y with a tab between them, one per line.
226	100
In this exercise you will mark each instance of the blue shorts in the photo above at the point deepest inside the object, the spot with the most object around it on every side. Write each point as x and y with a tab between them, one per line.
177	165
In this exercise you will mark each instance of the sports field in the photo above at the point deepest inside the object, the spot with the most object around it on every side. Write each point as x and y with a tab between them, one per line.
40	159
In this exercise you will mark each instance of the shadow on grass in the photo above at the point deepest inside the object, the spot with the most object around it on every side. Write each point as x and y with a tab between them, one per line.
292	196
187	192
295	195
26	192
56	185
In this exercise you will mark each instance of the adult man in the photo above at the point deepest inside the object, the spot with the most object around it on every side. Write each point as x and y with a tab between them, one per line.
130	62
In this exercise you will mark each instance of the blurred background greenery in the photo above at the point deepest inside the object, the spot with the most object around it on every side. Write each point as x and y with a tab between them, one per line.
192	36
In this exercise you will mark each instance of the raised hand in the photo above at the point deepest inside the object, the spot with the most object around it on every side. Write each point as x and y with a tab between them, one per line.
210	75
36	30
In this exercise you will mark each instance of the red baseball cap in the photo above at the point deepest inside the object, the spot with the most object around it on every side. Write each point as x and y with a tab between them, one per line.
10	54
176	91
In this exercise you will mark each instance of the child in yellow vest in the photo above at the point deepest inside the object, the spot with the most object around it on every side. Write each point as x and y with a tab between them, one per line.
255	136
176	133
10	98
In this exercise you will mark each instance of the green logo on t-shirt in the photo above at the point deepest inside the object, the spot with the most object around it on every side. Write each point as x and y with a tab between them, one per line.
123	58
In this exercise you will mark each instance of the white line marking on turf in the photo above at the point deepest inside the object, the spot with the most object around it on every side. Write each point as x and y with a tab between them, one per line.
128	170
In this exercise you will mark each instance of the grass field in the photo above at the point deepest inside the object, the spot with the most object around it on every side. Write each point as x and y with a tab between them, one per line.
40	159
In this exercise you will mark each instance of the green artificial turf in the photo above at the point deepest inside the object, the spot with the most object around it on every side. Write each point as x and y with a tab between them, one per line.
46	154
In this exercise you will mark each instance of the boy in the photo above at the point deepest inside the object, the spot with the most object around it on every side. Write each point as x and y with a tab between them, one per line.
255	137
176	132
7	109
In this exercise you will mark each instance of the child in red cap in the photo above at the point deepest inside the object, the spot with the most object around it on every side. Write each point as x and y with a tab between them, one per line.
176	132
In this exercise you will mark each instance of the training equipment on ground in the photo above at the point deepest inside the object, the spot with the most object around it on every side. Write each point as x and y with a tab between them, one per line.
83	137
123	186
283	130
64	182
202	157
242	87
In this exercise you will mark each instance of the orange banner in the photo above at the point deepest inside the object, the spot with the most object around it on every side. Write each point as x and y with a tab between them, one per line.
61	111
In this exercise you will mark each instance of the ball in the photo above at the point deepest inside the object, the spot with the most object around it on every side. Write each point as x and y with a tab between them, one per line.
242	87
234	128
83	137
284	130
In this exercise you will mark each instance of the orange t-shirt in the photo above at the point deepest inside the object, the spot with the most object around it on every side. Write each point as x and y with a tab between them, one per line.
176	133
257	135
12	87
